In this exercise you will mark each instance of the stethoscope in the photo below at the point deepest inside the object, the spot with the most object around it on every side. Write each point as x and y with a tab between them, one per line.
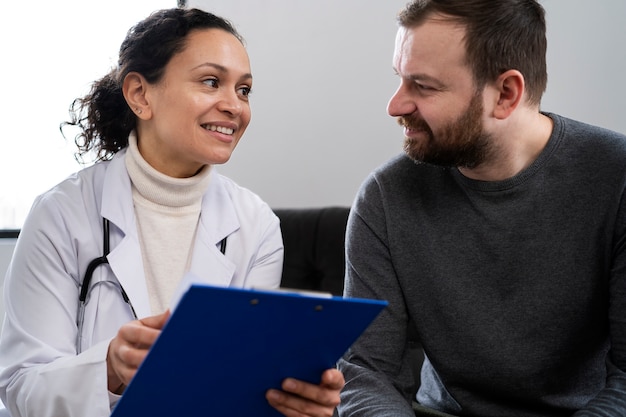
91	267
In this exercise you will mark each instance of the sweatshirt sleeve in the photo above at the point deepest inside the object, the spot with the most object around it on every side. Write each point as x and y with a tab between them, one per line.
611	400
376	368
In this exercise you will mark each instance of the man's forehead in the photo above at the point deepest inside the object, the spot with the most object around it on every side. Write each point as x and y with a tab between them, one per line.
431	38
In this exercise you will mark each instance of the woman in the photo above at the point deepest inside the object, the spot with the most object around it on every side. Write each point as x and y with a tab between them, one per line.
176	105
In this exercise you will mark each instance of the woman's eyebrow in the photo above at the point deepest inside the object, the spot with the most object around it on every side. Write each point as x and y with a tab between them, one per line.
222	69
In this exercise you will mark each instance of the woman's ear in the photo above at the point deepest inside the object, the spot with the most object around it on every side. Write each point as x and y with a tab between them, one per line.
510	85
134	89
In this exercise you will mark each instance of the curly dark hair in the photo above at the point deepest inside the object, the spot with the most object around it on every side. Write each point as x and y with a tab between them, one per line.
103	117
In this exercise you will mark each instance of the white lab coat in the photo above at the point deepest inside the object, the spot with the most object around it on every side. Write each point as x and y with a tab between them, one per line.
43	376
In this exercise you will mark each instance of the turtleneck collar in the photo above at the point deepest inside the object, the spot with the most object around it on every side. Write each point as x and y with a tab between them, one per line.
159	188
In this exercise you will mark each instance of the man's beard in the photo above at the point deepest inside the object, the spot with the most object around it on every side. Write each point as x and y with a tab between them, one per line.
462	143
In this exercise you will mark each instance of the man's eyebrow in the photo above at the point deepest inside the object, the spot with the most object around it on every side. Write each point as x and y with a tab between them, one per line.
223	69
419	77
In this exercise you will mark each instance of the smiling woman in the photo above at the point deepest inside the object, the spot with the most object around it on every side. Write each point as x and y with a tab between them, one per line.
103	253
75	42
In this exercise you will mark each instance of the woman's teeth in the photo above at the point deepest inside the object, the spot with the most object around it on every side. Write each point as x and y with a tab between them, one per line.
224	130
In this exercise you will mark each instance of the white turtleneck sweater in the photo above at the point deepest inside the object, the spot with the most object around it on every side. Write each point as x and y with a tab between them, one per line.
167	211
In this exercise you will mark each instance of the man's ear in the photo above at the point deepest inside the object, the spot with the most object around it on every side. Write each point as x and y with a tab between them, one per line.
510	85
134	89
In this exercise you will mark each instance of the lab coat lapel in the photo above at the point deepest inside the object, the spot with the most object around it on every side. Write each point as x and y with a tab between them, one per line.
125	257
217	221
127	265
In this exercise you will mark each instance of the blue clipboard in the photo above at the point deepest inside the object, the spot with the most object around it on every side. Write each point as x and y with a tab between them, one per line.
223	348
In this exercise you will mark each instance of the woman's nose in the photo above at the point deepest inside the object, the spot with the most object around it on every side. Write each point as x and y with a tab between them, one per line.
230	103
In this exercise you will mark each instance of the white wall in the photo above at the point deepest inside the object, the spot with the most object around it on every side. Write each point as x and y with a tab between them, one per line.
322	79
76	42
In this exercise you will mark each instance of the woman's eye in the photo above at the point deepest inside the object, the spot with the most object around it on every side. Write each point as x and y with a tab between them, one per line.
244	91
211	82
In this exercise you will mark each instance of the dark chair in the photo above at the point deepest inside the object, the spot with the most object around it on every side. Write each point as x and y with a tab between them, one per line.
314	248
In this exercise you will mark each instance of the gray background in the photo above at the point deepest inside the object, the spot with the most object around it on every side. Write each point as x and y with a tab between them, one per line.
323	76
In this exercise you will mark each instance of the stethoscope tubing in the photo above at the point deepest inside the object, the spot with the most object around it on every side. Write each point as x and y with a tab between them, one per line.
84	288
86	283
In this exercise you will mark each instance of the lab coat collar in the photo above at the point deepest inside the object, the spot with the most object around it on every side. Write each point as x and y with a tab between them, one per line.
125	257
217	222
117	199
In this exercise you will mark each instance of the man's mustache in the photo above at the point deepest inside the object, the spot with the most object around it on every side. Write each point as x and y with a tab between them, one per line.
414	123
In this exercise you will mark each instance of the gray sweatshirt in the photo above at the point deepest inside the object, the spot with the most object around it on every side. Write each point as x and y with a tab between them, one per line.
516	288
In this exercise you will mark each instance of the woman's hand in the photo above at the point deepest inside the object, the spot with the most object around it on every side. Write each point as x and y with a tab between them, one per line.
298	398
129	348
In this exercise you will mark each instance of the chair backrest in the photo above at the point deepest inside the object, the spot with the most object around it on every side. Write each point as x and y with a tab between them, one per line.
314	248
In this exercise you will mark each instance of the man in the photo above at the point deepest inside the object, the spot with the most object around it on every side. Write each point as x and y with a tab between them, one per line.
498	236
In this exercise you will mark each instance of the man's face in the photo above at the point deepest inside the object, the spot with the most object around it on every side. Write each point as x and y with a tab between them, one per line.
437	101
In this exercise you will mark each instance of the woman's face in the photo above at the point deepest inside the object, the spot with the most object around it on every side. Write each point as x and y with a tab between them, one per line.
196	114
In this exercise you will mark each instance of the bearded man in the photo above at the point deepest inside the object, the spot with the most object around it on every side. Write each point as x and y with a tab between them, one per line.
498	236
